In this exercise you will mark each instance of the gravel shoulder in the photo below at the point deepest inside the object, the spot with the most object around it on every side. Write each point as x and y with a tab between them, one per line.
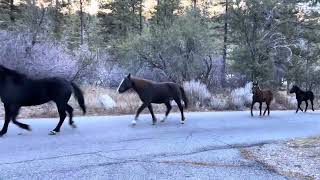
298	158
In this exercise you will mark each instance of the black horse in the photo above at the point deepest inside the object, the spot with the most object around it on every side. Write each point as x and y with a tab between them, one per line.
17	90
302	96
154	92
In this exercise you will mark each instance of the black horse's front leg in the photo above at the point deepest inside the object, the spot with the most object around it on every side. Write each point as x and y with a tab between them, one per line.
306	106
299	104
6	124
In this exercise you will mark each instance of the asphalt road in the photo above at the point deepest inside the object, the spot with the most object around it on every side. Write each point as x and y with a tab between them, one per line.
206	147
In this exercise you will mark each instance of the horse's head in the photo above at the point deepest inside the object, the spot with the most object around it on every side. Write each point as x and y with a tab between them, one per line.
294	89
125	84
255	87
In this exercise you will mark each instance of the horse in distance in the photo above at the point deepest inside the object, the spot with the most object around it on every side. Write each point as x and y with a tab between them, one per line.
302	96
17	90
155	92
261	96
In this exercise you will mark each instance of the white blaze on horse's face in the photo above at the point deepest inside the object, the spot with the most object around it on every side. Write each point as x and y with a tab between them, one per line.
120	85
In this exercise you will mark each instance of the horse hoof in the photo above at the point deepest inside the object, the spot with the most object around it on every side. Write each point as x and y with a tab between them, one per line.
73	126
182	122
29	128
164	119
133	123
154	123
52	133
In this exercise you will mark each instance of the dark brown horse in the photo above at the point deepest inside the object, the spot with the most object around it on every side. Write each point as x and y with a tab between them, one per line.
17	90
302	96
260	97
154	92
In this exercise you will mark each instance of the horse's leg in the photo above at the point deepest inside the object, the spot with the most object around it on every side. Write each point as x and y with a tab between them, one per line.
260	107
252	104
265	109
268	105
154	119
178	101
300	107
299	103
70	112
169	107
312	104
7	119
141	108
63	115
306	106
15	113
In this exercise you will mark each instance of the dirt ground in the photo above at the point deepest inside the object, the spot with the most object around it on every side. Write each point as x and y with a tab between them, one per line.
299	158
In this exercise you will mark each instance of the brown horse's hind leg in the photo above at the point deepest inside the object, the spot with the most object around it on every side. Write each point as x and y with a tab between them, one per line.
169	107
260	107
268	105
312	104
264	113
70	112
154	119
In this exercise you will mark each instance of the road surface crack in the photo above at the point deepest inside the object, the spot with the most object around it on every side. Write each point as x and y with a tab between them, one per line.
98	153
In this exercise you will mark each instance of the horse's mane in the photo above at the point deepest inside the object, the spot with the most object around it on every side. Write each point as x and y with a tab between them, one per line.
136	79
11	72
299	89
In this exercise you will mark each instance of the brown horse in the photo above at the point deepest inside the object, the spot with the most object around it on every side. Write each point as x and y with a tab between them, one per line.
154	92
260	97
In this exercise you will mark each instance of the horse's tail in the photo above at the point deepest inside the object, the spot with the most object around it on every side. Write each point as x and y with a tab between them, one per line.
78	94
184	97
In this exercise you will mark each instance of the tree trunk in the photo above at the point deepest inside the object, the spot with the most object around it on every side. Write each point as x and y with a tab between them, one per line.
194	2
157	17
12	18
140	18
225	39
81	22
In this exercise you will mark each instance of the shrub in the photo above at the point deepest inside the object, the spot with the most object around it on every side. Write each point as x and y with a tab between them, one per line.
219	102
197	93
241	97
43	59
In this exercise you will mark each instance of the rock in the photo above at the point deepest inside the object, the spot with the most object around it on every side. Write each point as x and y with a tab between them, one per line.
107	101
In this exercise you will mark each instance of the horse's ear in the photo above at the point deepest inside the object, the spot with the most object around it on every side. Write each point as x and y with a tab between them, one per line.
129	76
254	83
